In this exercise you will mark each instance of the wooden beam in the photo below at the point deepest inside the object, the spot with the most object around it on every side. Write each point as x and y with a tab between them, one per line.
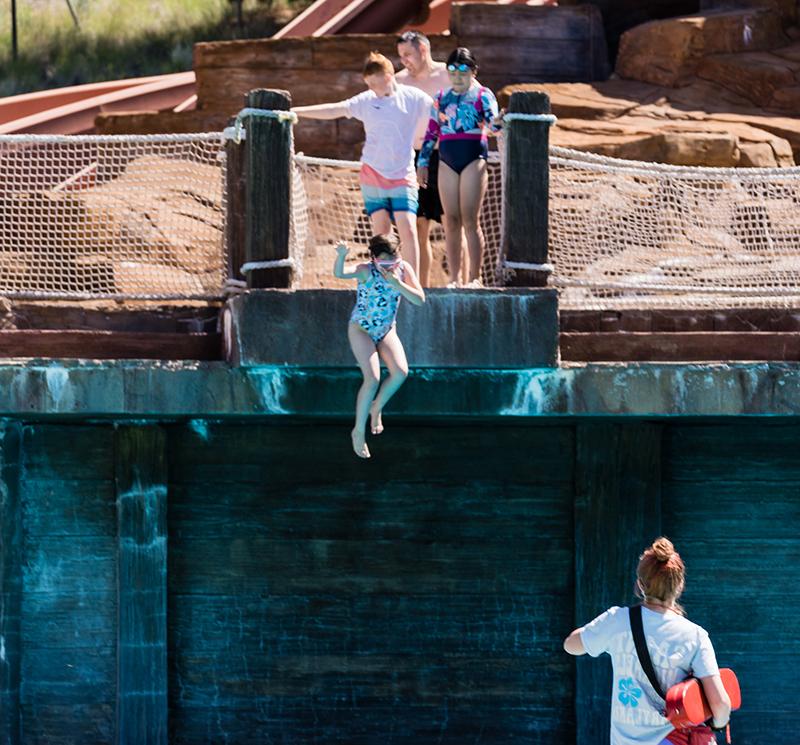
141	317
679	319
10	583
617	514
141	486
123	345
268	188
526	189
679	347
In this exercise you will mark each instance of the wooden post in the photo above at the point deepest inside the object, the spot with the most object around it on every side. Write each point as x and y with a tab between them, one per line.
268	188
141	478
235	218
526	192
10	583
617	515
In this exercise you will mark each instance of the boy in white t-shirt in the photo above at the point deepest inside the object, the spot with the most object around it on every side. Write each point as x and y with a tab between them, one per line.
678	648
391	115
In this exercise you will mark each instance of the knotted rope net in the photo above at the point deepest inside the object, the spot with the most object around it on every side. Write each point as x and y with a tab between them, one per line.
627	234
328	209
623	234
140	217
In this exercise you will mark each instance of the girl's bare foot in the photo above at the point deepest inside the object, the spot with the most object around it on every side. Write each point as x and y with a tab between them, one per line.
359	444
375	420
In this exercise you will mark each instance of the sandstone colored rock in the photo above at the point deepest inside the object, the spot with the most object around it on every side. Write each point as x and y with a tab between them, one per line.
786	99
643	122
602	100
756	155
756	76
699	149
668	52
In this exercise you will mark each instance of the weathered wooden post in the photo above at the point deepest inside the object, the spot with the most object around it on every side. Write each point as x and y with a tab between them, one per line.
10	584
268	189
617	514
236	199
141	486
526	191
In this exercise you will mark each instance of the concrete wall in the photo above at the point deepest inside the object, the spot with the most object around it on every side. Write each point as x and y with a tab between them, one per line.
458	329
422	596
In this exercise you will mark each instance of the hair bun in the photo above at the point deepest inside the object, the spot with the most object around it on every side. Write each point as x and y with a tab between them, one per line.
663	549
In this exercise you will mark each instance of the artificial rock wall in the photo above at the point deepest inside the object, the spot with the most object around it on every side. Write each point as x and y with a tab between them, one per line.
513	44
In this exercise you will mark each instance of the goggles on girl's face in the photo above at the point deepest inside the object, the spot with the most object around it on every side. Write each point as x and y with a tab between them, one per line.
459	68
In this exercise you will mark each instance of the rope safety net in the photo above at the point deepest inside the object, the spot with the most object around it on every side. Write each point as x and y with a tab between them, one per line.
117	216
144	217
328	208
623	234
626	234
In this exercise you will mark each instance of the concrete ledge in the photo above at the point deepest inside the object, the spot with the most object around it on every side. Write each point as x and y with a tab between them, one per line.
164	391
508	328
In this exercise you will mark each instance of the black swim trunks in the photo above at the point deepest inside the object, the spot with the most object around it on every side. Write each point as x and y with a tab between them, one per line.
430	206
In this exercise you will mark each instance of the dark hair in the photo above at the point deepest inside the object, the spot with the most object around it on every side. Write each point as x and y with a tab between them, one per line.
462	56
384	243
413	37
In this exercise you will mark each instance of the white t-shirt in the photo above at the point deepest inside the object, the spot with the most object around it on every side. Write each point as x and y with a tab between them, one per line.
390	123
678	648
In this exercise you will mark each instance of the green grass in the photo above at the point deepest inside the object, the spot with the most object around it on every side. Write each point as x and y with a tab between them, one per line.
121	38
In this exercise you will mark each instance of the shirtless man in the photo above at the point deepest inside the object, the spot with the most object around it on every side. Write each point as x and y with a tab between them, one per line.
421	71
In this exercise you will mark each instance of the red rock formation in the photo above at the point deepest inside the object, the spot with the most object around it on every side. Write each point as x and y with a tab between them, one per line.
720	89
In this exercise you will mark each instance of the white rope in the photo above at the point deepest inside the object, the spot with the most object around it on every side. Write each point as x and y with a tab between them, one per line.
110	139
230	133
528	265
274	264
668	288
281	116
569	157
546	118
328	162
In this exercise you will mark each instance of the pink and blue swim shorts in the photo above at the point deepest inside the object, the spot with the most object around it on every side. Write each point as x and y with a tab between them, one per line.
381	193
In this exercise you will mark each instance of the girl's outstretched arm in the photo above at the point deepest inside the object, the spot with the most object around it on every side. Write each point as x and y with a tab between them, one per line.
410	289
322	111
338	265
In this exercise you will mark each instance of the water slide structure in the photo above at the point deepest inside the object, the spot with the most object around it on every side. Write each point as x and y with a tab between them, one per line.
73	110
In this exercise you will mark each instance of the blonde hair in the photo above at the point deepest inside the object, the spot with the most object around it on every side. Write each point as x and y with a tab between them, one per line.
377	64
661	573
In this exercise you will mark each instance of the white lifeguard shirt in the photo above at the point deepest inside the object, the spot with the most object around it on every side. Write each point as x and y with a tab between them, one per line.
390	124
678	648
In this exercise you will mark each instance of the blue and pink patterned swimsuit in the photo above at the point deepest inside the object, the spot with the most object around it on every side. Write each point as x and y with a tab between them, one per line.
375	310
461	123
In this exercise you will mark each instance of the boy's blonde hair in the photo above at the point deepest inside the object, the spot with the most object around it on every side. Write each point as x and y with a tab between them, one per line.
377	64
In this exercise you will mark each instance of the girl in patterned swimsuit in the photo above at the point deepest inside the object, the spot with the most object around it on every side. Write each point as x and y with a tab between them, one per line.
371	331
461	118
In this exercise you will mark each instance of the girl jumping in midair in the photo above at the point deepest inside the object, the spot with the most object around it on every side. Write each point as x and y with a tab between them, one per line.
371	331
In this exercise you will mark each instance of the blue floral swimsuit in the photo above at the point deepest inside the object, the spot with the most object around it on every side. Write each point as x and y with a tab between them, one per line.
376	305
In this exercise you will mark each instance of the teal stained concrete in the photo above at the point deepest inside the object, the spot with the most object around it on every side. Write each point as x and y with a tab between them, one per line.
169	390
184	558
505	329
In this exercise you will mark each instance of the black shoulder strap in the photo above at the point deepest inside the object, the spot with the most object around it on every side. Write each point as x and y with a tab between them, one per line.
637	629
